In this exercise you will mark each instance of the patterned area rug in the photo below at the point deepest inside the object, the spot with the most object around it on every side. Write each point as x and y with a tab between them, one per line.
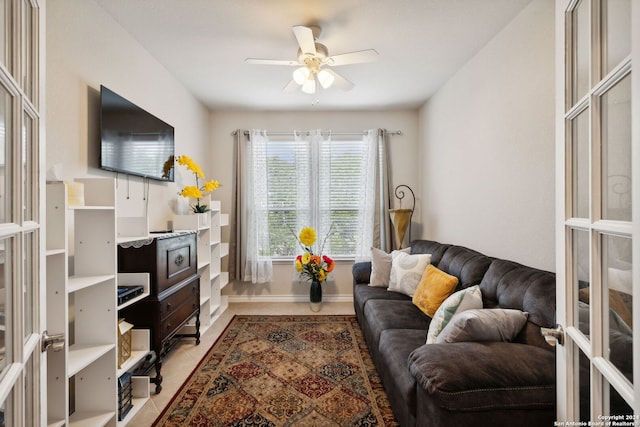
283	371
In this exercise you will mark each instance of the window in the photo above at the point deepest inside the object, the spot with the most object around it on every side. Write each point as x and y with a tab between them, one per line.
318	186
312	180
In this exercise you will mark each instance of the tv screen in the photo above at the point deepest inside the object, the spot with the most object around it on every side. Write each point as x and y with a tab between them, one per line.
134	141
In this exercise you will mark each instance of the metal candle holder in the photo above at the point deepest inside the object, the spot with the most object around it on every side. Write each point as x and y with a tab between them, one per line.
401	218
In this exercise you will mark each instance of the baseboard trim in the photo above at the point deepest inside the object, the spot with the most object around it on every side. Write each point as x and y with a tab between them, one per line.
287	298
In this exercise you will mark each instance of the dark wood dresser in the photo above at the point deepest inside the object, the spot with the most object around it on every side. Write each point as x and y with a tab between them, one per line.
171	261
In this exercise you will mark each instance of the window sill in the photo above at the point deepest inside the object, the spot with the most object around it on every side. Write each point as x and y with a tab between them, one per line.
341	260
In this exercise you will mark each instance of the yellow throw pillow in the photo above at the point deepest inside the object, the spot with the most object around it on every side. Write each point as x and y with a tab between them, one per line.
434	287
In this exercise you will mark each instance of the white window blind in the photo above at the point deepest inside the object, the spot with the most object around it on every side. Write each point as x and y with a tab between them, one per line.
315	183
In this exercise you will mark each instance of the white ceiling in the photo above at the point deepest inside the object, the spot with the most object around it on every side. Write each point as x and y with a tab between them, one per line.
421	43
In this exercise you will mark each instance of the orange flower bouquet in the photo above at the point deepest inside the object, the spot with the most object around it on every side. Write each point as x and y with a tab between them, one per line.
314	267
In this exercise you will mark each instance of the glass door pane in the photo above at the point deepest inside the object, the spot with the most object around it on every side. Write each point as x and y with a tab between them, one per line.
581	280
618	407
28	150
616	151
6	35
582	386
581	57
5	304
617	283
616	19
28	286
6	120
28	49
580	165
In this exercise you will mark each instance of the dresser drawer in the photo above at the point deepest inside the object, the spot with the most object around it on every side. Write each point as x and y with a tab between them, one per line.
178	295
170	325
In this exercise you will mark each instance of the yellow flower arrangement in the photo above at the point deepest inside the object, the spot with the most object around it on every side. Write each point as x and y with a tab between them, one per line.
315	267
196	191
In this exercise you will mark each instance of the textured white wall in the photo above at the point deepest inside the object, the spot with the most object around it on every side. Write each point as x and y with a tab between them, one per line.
87	48
404	170
487	147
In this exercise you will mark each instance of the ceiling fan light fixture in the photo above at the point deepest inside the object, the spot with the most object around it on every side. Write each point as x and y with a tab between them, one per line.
301	75
325	78
309	86
312	56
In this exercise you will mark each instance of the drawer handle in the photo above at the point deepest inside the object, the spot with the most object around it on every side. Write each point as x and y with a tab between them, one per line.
179	260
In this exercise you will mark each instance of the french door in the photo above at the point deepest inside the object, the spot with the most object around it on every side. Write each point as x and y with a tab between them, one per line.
598	196
21	280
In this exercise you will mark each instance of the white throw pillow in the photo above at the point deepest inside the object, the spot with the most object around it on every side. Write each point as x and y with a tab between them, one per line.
406	271
466	299
494	324
381	266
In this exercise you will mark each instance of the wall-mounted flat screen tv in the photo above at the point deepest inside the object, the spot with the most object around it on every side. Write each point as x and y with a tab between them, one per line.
134	141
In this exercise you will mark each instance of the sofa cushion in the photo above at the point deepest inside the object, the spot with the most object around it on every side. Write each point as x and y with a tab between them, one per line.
508	284
361	272
466	264
434	287
381	315
486	375
394	349
406	271
429	247
457	302
381	266
495	324
364	293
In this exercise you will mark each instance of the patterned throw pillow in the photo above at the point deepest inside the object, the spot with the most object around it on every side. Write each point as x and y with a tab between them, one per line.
434	287
406	271
457	302
381	266
495	324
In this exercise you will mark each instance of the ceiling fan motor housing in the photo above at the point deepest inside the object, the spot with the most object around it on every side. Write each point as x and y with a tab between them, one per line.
321	53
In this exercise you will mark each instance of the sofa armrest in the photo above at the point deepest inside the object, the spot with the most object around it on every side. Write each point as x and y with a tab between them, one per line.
361	272
465	366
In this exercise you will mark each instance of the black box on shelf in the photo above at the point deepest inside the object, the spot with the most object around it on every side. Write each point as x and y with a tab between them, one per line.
125	395
125	293
146	365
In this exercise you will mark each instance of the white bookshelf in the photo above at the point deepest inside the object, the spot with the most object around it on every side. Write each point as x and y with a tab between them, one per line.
211	250
140	346
81	258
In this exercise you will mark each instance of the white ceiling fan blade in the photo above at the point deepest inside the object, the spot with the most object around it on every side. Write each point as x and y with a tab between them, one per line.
356	57
291	86
304	35
271	62
339	81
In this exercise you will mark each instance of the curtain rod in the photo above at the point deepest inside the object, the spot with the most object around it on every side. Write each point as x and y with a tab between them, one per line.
396	132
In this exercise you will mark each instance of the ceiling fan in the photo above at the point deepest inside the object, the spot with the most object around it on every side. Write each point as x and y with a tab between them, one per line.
312	57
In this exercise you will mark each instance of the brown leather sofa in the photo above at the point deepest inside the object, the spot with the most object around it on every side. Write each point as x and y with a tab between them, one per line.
463	383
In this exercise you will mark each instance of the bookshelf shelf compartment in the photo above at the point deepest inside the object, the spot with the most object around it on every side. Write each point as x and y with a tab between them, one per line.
82	280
